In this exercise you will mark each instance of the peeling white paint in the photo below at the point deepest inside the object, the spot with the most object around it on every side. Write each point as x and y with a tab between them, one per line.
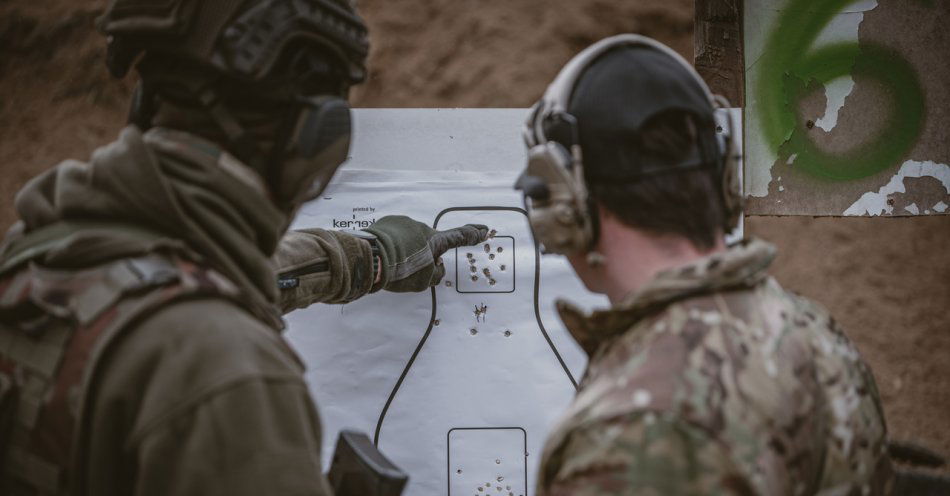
843	27
835	93
940	207
912	208
875	203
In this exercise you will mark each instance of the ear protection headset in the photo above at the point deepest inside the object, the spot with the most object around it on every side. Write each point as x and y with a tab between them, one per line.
560	210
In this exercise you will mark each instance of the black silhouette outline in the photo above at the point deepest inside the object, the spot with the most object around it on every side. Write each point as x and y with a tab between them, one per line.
425	337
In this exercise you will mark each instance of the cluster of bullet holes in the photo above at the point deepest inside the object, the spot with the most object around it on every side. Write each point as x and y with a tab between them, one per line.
473	268
473	330
487	487
486	268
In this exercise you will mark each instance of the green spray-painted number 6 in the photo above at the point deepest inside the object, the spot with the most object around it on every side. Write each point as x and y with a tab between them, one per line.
788	63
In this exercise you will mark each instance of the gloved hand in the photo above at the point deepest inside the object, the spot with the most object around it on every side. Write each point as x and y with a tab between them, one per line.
411	251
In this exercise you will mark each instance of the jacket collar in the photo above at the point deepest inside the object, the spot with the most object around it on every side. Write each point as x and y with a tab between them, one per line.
742	265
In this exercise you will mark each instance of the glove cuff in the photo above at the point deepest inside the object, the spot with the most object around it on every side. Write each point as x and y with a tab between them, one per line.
377	256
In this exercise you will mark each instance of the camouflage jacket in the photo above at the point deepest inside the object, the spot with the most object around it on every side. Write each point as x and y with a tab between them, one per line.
712	379
202	395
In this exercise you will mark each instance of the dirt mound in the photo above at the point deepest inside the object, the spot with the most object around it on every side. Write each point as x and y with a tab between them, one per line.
497	53
56	99
887	280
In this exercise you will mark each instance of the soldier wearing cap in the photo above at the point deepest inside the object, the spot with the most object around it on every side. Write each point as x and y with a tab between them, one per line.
141	292
705	376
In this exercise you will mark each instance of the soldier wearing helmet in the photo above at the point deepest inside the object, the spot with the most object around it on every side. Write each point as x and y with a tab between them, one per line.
141	292
705	376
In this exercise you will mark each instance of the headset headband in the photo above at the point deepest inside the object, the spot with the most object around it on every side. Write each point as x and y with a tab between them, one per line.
558	95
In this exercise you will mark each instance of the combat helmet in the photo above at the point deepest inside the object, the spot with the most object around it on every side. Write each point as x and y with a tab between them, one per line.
300	54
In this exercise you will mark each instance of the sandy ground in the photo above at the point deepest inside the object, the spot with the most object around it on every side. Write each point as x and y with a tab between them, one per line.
886	280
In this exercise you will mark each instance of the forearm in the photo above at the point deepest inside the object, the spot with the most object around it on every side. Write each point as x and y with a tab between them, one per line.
316	265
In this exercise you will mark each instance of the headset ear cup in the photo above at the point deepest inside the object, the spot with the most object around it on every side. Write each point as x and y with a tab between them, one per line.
323	123
560	218
319	144
731	188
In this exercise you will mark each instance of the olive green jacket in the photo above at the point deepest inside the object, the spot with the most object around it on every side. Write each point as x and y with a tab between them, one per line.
204	396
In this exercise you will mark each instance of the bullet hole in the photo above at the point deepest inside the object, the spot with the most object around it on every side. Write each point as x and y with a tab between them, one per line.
809	123
497	461
492	282
487	248
491	256
486	272
503	267
480	488
890	201
508	488
473	268
718	129
436	322
507	333
448	284
471	261
459	471
469	256
474	278
492	233
480	311
500	249
500	478
473	331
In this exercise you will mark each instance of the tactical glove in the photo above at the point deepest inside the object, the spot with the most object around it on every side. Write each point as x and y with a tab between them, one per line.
410	251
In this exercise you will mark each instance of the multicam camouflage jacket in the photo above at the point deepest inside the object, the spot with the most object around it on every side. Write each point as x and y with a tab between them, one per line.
139	343
712	379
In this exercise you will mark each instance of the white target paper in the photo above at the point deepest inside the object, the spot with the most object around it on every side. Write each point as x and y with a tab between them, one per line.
460	385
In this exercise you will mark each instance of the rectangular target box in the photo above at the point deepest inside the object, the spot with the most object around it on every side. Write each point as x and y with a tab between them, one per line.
488	461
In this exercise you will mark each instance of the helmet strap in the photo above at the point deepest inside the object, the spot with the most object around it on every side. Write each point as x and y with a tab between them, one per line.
239	140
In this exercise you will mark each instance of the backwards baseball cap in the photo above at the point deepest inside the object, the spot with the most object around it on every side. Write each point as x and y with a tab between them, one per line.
618	94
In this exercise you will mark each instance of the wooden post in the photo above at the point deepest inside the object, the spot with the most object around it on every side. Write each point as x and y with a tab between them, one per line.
717	42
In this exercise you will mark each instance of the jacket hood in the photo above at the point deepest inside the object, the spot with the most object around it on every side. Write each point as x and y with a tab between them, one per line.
175	184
